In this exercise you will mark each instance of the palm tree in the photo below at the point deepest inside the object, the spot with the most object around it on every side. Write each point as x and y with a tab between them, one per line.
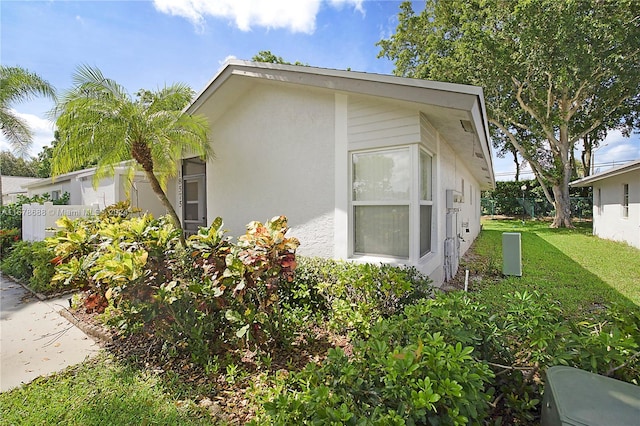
16	85
99	121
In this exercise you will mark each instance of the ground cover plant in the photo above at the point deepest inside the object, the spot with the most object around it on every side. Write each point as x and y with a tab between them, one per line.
367	344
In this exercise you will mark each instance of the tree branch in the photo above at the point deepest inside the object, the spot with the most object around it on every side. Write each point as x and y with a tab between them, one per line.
549	95
535	165
550	135
629	361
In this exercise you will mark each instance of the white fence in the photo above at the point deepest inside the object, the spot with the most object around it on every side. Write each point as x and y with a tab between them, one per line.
39	220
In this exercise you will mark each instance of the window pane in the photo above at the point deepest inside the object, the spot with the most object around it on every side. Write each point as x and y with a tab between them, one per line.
382	230
193	166
381	176
191	212
425	230
191	190
425	176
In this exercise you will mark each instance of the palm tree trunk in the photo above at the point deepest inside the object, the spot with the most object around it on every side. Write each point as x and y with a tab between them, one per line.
142	154
155	186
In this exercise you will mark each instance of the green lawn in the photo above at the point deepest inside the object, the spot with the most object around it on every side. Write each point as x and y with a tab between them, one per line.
571	266
102	391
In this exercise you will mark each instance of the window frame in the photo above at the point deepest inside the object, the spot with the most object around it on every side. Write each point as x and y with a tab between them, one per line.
414	204
625	200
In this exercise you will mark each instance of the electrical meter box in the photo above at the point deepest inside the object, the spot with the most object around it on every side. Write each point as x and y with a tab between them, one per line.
511	254
574	397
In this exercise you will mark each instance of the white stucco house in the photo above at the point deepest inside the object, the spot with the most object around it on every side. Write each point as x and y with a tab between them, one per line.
366	167
12	186
616	203
110	190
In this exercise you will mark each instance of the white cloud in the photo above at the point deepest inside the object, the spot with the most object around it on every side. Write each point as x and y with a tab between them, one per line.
617	148
42	130
294	15
227	58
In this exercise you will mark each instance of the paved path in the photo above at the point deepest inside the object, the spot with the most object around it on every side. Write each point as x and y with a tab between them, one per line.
34	339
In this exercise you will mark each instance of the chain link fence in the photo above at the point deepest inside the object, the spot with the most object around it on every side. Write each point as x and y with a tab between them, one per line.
581	207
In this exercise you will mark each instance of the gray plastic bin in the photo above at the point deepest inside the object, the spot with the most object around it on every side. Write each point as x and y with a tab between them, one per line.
574	397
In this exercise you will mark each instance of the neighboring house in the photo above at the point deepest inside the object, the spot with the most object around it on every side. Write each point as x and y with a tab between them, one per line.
616	202
110	190
12	186
366	167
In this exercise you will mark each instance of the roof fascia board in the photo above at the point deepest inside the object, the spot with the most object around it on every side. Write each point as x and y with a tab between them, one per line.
458	96
634	165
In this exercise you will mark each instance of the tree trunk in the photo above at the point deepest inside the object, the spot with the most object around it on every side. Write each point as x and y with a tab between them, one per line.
142	154
561	200
155	186
562	203
586	155
515	160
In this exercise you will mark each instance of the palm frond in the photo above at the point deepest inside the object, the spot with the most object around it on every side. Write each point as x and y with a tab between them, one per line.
15	130
18	84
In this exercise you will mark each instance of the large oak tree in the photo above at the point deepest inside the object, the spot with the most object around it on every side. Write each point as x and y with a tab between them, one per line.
553	72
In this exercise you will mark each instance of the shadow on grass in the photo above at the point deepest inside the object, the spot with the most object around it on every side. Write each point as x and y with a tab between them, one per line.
546	269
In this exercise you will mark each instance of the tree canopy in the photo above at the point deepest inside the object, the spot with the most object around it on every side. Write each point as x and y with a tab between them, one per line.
552	71
98	120
267	56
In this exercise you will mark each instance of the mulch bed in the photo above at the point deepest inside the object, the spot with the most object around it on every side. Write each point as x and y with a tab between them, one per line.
225	400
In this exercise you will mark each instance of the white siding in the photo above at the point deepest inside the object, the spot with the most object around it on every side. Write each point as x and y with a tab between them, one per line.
609	222
376	123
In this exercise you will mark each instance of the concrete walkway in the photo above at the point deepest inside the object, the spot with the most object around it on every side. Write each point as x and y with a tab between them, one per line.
35	340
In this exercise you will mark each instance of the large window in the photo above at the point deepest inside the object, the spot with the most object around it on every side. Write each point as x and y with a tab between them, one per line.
385	197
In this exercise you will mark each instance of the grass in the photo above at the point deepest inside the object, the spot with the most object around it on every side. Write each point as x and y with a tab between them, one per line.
571	266
102	391
577	270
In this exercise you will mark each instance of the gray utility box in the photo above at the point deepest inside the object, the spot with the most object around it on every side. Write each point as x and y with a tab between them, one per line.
511	254
574	397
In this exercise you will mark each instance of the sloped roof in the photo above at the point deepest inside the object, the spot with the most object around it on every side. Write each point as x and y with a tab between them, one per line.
590	180
446	105
15	184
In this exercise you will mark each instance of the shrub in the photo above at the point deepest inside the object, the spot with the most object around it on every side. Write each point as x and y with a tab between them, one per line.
427	381
31	264
199	297
8	237
520	339
355	295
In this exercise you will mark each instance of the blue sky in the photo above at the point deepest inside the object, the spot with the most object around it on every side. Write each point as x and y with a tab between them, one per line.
147	44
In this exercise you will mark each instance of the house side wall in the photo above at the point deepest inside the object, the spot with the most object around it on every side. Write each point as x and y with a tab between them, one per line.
375	124
452	174
608	220
71	186
104	194
140	195
274	155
